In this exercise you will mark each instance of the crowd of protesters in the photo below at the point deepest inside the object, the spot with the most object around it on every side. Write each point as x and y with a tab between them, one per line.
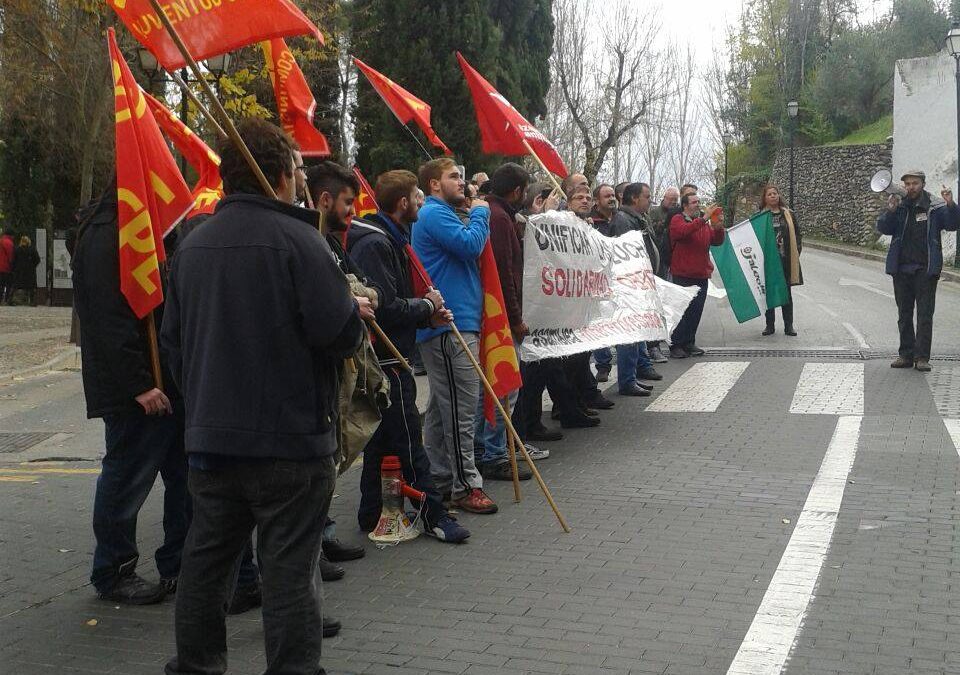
261	311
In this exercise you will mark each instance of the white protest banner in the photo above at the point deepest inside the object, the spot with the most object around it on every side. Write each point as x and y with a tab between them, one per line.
583	291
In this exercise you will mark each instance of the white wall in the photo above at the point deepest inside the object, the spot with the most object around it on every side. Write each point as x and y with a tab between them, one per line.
925	123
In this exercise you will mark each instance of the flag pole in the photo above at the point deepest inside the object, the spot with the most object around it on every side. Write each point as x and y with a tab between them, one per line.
556	184
511	449
154	351
196	101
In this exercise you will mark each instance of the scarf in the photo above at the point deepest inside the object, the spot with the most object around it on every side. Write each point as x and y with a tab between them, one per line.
794	273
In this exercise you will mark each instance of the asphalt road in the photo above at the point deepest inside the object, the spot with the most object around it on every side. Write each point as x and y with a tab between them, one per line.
762	513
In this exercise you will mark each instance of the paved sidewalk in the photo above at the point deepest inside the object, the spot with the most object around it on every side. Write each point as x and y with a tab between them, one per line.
31	336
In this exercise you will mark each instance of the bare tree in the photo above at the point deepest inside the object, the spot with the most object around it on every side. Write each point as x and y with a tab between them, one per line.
602	91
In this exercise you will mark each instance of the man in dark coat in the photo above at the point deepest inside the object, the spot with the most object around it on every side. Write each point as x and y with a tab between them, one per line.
258	320
914	260
144	422
379	245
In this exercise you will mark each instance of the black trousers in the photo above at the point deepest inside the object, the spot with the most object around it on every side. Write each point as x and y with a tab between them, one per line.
399	434
685	332
786	310
580	376
919	290
539	375
287	502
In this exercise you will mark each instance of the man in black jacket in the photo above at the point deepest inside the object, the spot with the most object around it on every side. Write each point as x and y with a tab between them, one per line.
258	319
144	423
380	246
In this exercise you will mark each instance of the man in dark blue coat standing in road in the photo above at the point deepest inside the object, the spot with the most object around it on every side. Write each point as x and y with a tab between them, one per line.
915	259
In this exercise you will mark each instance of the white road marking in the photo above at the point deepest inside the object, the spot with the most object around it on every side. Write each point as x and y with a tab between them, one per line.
865	285
953	428
857	335
829	389
778	620
700	389
829	312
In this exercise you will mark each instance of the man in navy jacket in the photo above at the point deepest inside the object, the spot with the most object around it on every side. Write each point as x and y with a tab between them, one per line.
914	260
258	320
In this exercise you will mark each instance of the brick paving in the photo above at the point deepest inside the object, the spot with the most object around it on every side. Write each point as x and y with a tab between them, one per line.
679	521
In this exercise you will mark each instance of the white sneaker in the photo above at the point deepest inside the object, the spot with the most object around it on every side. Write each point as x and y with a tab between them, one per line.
536	454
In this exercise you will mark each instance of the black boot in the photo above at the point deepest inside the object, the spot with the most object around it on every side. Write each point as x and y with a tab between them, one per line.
769	330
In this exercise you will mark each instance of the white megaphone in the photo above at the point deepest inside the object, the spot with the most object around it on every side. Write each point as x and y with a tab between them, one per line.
882	181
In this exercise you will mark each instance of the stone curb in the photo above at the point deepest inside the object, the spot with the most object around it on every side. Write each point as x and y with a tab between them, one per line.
867	255
59	362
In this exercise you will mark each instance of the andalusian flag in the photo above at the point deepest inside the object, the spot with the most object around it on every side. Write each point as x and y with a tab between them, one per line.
749	264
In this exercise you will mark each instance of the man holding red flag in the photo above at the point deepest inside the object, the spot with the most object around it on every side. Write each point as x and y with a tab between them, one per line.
449	251
118	290
380	245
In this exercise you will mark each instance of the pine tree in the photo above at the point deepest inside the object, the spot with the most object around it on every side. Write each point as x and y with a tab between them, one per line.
414	42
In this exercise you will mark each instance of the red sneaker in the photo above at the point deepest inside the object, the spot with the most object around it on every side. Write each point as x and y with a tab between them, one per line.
476	501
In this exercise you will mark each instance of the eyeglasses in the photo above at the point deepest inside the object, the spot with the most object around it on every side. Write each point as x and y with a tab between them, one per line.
300	168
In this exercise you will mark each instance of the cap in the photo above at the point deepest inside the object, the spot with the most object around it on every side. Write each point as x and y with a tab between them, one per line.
915	174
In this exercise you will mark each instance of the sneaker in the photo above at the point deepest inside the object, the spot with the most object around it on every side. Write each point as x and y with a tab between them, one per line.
329	571
169	585
336	551
419	369
476	501
656	355
648	373
769	330
922	365
902	362
541	433
245	598
694	350
599	402
603	374
501	471
634	390
330	628
678	352
536	454
447	529
132	589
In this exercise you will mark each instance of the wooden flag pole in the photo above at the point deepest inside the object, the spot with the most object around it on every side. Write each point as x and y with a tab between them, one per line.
553	179
510	427
511	450
154	350
196	101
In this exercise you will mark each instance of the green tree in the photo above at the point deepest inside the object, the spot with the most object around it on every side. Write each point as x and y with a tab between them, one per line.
414	43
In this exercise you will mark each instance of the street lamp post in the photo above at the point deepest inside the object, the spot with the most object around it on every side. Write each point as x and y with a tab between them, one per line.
216	65
792	109
953	44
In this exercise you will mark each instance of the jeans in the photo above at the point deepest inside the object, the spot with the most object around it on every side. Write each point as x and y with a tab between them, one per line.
603	358
138	447
287	502
916	289
490	440
685	333
399	434
630	358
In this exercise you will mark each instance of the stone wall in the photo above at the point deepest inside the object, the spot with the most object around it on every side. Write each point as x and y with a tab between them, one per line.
832	196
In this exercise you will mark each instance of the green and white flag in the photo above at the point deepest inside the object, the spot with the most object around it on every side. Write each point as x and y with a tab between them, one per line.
749	264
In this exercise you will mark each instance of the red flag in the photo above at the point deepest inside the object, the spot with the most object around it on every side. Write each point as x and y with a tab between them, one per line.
151	194
365	204
498	356
502	128
209	187
211	27
402	103
295	103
